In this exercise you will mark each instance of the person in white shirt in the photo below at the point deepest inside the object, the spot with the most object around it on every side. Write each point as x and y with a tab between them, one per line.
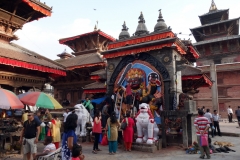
208	115
65	114
48	149
216	119
230	114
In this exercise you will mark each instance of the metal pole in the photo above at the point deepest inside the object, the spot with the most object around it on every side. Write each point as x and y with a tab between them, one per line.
214	88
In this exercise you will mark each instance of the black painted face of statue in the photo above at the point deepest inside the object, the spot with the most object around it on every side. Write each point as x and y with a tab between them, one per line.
135	82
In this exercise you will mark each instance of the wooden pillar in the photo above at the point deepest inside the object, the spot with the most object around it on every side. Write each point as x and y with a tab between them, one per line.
214	87
164	138
184	132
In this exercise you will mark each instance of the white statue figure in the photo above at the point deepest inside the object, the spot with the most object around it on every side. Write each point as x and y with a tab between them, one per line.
147	130
83	118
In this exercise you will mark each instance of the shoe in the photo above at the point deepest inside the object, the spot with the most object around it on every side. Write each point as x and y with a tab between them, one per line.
94	152
202	157
99	150
114	153
110	153
209	157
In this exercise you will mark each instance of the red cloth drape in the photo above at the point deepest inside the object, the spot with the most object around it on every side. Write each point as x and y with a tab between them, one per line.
95	77
95	90
141	40
31	66
87	65
38	8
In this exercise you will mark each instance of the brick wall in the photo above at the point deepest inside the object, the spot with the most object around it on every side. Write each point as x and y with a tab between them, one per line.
229	93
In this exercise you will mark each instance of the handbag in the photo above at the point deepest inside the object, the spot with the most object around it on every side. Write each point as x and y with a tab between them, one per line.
204	140
124	124
104	140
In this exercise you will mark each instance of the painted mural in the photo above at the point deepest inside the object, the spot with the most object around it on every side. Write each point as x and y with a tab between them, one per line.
138	83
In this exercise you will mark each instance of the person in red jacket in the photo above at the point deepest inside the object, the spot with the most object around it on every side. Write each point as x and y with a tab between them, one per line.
128	132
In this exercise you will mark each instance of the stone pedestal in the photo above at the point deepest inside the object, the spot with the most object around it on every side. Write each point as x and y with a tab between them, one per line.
143	147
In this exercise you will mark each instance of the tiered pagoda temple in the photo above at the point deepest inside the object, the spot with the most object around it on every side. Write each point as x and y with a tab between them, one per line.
20	68
86	74
218	42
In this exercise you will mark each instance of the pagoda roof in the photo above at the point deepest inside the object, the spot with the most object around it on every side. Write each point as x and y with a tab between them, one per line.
217	40
65	40
211	24
82	61
25	9
15	55
213	16
214	12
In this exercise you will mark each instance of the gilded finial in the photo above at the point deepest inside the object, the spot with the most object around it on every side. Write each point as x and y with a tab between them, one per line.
213	7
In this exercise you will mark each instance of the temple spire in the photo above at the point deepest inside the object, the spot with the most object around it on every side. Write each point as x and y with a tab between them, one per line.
141	28
213	7
95	27
124	34
160	17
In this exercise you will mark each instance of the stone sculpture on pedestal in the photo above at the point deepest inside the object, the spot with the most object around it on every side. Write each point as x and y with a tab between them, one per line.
147	130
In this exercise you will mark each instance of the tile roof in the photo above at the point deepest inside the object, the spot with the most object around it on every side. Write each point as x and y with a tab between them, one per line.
95	85
84	59
64	40
16	52
190	70
210	24
99	72
209	13
217	40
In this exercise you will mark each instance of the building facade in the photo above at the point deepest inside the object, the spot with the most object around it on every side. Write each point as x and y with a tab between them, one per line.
20	68
218	42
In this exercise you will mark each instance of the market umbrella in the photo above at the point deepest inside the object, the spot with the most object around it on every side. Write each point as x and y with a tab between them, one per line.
39	99
9	100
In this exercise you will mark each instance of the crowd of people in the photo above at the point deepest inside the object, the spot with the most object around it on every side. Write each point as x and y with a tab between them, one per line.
42	126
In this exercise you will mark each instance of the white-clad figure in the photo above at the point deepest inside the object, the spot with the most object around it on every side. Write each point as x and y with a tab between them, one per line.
83	118
147	130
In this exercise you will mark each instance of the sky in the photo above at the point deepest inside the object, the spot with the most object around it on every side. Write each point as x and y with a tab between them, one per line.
74	17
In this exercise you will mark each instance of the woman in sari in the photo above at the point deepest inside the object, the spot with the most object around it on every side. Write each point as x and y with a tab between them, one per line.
55	130
112	133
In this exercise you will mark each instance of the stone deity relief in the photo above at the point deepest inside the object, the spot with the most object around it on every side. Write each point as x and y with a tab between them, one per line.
139	83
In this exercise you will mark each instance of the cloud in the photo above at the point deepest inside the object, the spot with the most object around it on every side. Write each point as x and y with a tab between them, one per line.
45	41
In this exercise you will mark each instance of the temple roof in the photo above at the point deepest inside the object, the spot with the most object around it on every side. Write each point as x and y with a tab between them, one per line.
12	52
217	40
214	16
82	61
211	24
99	72
190	70
65	40
26	7
95	85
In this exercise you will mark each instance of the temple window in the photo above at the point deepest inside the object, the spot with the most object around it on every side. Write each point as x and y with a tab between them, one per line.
215	47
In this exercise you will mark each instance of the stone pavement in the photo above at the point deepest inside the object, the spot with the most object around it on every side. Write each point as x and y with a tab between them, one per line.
229	129
169	153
